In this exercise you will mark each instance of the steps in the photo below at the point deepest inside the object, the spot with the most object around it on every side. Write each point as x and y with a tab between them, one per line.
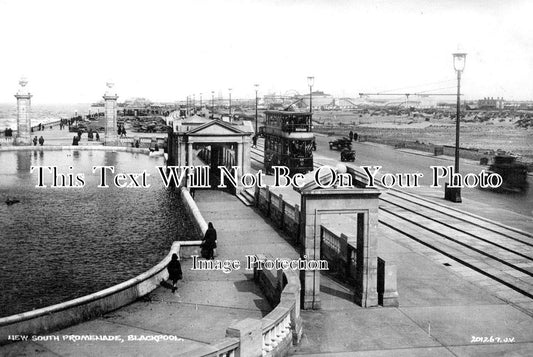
247	197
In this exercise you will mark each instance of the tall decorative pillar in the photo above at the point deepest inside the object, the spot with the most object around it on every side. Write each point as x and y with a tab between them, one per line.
23	136
111	135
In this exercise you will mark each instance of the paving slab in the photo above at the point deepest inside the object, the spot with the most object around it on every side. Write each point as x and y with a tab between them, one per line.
360	329
455	325
494	350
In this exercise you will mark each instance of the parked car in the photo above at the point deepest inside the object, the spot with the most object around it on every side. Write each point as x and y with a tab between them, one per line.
347	155
339	144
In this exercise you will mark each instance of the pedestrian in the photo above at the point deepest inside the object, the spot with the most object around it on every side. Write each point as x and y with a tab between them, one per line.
97	136
41	141
75	140
174	271
254	141
35	141
210	242
355	136
351	135
124	131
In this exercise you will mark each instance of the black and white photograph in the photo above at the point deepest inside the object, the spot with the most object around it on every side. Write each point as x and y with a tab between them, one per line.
264	178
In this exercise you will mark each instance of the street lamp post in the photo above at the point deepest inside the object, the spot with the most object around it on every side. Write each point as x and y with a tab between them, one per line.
256	89
213	104
454	193
229	89
310	82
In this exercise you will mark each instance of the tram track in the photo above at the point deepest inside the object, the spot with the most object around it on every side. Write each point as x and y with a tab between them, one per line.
501	253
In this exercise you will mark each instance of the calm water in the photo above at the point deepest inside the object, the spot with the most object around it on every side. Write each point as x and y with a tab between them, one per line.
61	243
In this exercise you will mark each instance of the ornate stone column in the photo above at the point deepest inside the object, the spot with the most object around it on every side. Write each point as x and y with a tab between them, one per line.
23	136
111	136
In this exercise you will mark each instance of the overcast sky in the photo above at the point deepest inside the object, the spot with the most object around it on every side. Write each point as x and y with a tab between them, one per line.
166	50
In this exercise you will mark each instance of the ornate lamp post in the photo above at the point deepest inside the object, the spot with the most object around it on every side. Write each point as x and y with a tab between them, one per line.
213	104
310	82
454	193
229	89
256	89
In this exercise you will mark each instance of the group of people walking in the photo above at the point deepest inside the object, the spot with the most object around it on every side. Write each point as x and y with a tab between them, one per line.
209	243
40	140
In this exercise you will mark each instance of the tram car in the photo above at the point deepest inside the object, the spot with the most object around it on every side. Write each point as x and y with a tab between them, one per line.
513	173
289	141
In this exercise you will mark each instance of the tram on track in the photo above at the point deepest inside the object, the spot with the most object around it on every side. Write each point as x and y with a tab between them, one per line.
289	141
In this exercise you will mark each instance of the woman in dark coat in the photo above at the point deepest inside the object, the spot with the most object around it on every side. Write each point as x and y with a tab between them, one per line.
210	242
174	272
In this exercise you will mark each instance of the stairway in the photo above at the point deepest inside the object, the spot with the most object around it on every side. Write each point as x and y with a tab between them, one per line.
247	197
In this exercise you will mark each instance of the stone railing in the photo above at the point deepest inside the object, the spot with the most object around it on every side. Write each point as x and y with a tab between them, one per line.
334	249
282	327
67	313
192	209
282	213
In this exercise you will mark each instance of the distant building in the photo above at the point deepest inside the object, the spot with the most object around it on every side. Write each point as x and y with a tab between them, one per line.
490	103
320	99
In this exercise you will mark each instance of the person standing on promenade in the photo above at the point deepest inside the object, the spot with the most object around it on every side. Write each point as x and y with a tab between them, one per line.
254	141
41	141
351	135
35	141
174	271
210	242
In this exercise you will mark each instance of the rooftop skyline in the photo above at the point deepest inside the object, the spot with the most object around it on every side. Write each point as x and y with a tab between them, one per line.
165	50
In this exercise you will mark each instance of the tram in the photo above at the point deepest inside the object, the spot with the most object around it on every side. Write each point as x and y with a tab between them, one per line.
289	141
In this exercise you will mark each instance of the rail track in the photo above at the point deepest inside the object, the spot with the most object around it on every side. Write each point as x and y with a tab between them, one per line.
502	253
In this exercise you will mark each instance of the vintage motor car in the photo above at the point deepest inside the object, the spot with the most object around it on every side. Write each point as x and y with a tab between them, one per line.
347	155
339	144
